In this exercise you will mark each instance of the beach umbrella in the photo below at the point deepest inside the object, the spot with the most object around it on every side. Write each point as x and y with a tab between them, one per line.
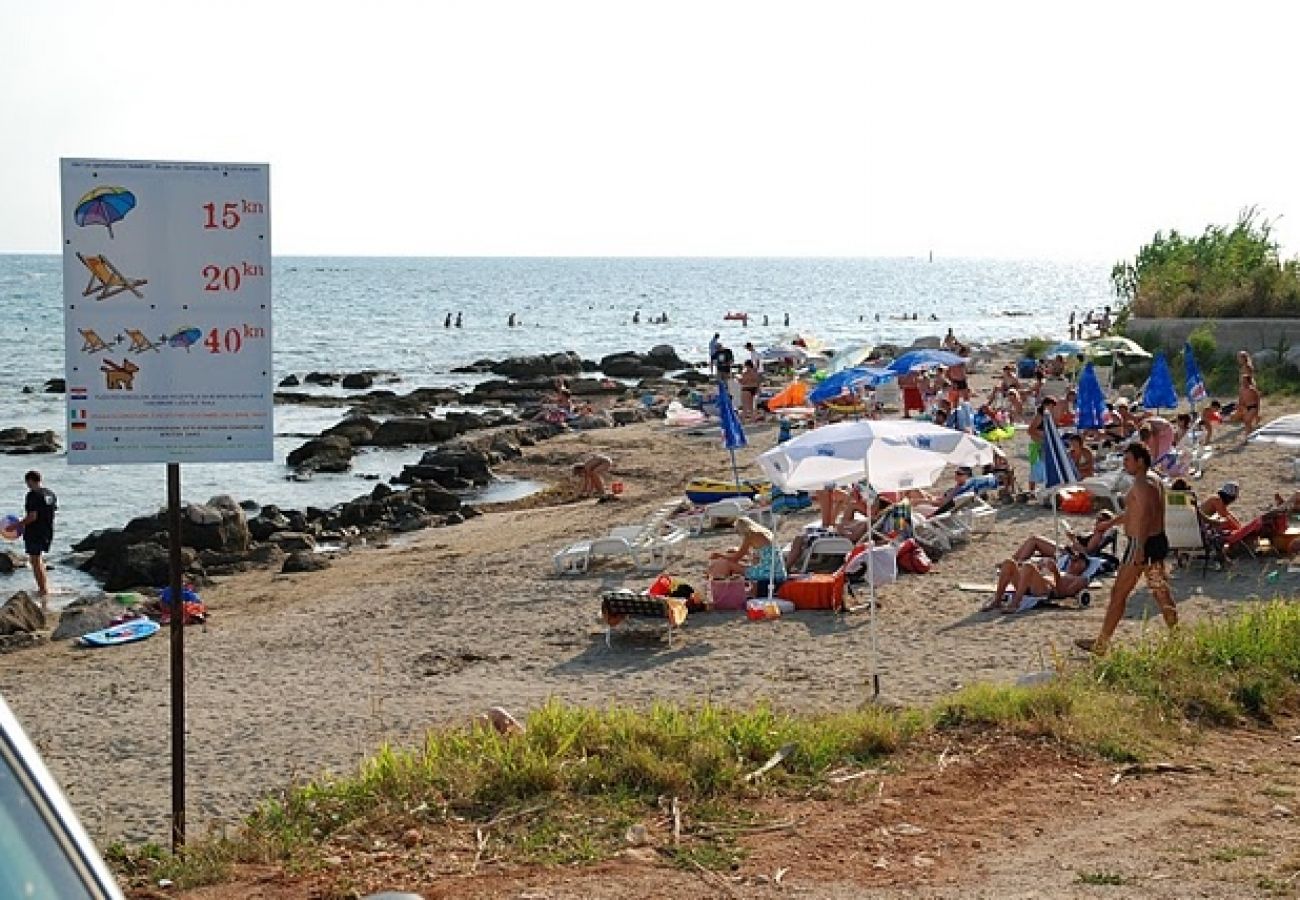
1059	470
889	455
1068	348
733	433
1192	374
925	359
1114	346
850	357
104	206
1284	431
1090	401
849	380
837	454
1159	390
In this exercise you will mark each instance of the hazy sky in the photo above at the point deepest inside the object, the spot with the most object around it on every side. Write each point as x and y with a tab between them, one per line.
1037	129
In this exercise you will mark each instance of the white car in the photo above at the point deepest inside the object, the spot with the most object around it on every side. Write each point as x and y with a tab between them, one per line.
44	851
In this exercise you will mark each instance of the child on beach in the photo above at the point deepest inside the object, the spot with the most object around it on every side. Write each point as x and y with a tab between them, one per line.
592	471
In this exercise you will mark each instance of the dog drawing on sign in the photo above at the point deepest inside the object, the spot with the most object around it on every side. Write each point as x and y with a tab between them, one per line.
119	377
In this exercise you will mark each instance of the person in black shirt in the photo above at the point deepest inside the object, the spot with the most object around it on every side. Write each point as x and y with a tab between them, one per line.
38	528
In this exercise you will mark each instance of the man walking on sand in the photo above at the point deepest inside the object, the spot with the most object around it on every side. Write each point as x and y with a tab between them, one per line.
1144	554
38	529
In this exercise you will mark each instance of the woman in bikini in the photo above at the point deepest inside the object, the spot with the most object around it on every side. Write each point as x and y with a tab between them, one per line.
1248	403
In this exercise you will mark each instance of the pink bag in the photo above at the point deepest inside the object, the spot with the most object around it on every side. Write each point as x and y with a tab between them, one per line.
728	594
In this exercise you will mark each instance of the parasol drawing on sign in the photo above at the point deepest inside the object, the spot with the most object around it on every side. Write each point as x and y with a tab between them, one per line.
104	206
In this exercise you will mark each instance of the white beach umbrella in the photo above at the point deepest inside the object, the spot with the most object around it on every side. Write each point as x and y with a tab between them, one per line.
890	454
837	454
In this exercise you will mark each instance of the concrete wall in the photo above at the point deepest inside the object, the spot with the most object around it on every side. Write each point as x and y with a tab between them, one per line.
1229	334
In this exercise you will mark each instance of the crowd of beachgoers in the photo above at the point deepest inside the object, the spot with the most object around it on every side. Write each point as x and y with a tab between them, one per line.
293	674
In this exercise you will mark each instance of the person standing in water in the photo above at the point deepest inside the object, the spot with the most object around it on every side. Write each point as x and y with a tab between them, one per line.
457	320
447	322
38	529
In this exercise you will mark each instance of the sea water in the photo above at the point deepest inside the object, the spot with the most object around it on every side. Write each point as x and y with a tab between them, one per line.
347	314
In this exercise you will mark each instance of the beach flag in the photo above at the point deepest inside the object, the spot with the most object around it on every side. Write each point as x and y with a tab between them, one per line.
1195	383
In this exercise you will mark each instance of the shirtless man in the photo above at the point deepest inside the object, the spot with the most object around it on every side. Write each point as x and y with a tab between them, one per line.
1144	555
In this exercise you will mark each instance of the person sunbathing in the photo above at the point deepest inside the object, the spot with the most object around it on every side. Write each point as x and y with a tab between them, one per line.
757	559
1091	544
1038	578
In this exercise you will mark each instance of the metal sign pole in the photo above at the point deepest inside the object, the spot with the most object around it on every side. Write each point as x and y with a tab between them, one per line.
177	656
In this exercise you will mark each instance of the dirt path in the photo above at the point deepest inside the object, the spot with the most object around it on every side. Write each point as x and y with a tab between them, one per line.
975	815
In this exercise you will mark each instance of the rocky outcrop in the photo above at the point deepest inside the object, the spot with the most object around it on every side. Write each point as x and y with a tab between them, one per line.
85	615
328	453
630	365
358	381
566	363
10	561
18	441
304	561
403	431
664	356
21	615
289	381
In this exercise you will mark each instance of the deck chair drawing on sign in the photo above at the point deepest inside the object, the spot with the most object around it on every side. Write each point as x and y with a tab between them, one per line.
106	281
140	343
91	342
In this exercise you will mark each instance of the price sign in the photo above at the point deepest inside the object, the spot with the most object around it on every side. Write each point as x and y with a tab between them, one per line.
167	311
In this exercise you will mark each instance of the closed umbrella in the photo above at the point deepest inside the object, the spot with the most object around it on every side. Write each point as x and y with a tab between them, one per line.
733	433
1192	374
1090	401
1060	471
1159	390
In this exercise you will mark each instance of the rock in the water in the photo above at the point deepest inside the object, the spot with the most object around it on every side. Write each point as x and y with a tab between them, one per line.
290	381
357	429
328	453
358	380
84	616
303	561
142	565
413	430
9	561
55	386
325	379
629	365
21	615
567	363
664	356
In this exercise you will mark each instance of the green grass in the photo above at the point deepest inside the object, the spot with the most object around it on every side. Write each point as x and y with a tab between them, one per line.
567	789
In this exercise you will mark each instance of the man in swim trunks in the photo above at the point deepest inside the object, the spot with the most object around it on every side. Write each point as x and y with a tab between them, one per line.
1144	556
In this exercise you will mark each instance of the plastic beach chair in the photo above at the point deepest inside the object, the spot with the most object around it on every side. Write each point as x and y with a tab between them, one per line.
106	281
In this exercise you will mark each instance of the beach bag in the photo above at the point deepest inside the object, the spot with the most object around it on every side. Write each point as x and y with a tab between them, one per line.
814	591
884	565
728	594
912	558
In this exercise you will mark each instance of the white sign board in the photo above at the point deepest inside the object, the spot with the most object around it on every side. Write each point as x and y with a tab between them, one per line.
167	311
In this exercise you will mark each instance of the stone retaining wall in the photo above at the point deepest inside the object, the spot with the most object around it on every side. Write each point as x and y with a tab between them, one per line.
1230	334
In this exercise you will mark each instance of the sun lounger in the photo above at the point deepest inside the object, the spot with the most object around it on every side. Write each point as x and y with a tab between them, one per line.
616	607
644	546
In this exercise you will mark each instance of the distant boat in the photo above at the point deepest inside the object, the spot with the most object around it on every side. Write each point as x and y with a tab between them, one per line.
736	317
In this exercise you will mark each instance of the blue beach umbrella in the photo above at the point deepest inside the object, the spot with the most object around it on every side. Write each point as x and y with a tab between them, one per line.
733	433
848	380
1195	383
1159	390
922	359
1091	400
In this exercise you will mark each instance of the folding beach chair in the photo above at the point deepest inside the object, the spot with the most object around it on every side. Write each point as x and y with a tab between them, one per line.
106	281
91	342
139	341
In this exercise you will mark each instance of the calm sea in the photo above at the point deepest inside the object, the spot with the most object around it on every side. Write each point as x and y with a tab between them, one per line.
345	314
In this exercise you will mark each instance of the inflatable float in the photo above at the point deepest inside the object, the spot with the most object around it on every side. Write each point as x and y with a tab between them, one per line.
736	317
703	491
126	633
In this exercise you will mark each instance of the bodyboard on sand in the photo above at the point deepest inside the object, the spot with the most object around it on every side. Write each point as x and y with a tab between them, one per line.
126	633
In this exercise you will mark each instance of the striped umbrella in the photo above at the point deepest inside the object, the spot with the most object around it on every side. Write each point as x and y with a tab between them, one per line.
1060	469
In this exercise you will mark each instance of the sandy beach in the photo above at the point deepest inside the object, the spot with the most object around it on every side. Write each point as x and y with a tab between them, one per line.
299	674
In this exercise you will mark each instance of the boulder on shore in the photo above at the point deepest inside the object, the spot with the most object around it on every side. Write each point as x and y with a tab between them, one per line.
328	453
85	615
413	430
21	615
304	561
